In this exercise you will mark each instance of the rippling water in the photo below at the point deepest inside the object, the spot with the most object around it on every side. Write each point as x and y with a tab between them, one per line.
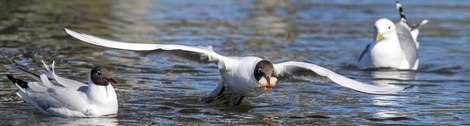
154	90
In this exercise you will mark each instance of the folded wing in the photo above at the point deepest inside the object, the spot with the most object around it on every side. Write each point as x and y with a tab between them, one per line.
314	73
47	96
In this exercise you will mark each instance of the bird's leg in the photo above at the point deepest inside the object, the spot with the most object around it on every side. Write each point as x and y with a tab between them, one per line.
219	89
240	100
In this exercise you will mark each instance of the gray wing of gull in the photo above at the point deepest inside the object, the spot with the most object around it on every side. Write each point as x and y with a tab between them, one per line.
407	43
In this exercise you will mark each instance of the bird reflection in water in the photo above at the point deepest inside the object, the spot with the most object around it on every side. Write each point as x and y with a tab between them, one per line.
393	102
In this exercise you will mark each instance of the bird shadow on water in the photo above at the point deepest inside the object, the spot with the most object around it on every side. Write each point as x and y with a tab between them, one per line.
245	111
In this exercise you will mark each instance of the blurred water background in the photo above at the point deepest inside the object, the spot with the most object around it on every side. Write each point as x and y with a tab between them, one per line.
154	90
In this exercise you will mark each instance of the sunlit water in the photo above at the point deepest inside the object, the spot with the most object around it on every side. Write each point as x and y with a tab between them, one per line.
154	90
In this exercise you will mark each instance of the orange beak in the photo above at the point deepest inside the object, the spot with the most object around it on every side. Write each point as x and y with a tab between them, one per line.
269	84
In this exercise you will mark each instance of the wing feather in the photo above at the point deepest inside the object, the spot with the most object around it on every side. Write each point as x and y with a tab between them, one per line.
189	54
407	43
314	73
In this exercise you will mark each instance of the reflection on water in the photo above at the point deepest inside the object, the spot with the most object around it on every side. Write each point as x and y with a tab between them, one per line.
78	121
393	74
398	77
386	77
393	112
154	90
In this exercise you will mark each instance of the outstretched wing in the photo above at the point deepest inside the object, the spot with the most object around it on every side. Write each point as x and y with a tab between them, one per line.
314	73
190	54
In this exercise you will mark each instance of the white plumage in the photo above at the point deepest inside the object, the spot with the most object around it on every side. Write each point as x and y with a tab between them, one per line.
395	45
54	95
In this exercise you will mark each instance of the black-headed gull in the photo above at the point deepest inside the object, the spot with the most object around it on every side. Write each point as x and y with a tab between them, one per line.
54	95
394	46
246	76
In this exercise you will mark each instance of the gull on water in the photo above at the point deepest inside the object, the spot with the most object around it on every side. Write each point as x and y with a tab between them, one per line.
394	45
54	95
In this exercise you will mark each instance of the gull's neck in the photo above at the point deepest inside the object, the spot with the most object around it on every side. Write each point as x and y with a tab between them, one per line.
100	94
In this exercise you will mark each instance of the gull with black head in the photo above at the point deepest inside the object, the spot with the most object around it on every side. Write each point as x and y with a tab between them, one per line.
54	95
246	76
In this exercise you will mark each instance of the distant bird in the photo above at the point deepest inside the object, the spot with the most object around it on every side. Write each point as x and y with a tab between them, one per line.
395	45
54	95
246	76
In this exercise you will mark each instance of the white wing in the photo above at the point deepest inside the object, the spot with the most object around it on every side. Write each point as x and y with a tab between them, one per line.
314	73
190	54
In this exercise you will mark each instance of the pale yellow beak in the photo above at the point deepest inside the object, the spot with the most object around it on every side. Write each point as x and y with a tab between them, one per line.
378	36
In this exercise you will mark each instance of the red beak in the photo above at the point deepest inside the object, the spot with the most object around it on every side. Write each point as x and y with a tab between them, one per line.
269	84
112	80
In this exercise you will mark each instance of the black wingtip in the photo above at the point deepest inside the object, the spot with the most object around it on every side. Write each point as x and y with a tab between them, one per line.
400	10
18	82
402	14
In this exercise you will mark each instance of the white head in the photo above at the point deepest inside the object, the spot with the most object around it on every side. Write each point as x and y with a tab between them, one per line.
383	29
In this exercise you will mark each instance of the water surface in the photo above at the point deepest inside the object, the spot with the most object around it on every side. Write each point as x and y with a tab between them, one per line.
154	90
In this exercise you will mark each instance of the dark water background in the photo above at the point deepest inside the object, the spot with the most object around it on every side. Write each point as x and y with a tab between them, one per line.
153	90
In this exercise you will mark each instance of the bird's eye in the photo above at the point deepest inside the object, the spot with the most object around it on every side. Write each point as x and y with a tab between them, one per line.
98	73
259	70
389	27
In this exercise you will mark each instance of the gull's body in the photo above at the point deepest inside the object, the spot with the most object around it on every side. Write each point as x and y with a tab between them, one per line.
246	76
54	95
395	45
240	76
